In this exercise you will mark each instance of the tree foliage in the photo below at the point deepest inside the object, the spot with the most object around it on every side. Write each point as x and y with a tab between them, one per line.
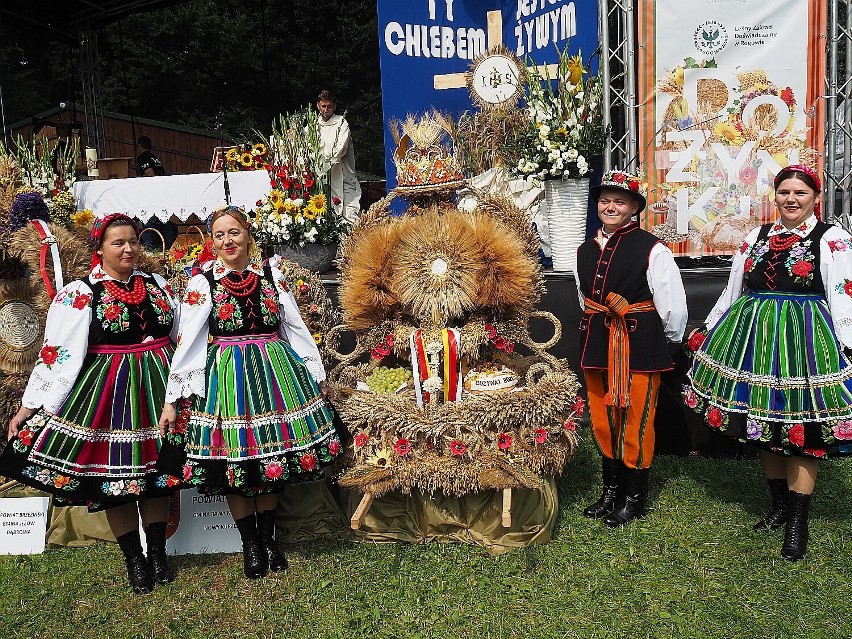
203	62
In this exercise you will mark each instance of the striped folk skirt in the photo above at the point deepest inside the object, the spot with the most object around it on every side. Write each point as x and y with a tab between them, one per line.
773	374
101	446
262	423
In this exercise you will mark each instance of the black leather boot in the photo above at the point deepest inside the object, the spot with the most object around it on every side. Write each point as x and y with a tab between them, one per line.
635	482
266	531
777	515
796	533
254	558
137	568
608	501
158	562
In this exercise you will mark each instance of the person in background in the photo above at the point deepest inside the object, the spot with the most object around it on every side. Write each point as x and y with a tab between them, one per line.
253	414
147	165
635	314
774	370
87	430
337	146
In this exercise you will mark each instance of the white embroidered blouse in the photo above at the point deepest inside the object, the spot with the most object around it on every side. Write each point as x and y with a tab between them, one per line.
187	376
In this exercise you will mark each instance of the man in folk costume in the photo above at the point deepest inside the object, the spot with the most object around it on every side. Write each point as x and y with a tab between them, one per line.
634	310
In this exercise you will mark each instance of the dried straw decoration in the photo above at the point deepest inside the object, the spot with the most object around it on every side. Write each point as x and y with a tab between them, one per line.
444	268
12	387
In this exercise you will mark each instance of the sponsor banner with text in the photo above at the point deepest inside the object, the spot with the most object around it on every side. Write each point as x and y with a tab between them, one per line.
729	94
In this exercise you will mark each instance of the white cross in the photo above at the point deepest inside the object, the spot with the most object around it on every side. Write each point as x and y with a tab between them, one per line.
494	37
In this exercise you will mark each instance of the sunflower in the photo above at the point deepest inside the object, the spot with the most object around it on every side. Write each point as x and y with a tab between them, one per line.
246	159
275	198
310	213
258	164
83	218
318	203
576	69
259	149
231	154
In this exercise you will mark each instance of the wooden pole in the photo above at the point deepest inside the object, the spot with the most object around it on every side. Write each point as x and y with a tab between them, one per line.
361	512
507	508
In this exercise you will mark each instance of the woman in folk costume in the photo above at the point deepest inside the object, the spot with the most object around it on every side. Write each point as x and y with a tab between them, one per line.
87	427
257	419
773	370
634	309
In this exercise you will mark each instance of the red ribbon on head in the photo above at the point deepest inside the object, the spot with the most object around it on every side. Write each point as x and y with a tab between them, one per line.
783	174
99	226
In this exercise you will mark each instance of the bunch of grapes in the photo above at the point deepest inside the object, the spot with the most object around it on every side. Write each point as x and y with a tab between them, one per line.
387	380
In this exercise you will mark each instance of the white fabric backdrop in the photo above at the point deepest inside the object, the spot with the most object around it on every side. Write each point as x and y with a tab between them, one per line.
167	195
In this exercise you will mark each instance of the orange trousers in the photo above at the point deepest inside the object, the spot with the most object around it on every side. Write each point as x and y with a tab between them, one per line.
626	434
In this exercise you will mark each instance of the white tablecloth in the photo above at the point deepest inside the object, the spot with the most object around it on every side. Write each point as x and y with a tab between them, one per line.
167	195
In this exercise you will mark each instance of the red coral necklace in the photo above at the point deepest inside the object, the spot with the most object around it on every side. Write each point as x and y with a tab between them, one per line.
784	242
244	287
133	296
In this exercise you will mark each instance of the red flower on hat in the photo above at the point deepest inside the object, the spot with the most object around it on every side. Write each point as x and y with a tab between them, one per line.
633	185
618	177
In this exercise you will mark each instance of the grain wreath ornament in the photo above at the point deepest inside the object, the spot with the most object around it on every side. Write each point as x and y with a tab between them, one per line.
430	296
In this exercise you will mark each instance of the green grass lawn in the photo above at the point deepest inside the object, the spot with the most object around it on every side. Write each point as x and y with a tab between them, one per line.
692	568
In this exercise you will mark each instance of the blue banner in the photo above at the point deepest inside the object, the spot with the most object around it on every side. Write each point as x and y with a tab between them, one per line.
427	42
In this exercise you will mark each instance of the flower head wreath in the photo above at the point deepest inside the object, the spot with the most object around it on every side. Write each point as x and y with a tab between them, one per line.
99	227
785	173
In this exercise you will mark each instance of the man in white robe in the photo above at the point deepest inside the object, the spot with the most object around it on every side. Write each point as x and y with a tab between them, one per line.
337	143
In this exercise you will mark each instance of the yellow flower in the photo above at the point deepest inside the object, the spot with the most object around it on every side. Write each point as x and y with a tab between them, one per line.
728	133
231	155
258	165
309	213
677	75
318	338
575	69
83	218
246	159
275	197
260	148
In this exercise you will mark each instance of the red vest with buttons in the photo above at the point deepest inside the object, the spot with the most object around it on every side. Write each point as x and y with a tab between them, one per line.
621	267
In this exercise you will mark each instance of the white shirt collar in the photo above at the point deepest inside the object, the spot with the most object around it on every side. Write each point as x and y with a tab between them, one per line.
220	270
98	274
802	230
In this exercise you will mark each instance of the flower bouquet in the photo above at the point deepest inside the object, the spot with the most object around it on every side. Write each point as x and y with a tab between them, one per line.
564	128
298	209
247	157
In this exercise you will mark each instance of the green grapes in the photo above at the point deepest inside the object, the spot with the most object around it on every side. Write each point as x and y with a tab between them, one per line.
387	380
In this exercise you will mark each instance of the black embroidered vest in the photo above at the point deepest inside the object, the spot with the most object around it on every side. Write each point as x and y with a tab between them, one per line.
117	323
795	270
233	316
621	267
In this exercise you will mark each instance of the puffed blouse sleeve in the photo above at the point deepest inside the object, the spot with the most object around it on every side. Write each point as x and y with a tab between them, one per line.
170	296
66	340
835	263
187	376
734	290
292	328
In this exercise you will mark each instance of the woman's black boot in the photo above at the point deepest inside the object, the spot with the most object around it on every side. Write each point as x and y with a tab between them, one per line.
611	471
254	558
777	515
266	531
137	568
796	534
635	481
158	562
